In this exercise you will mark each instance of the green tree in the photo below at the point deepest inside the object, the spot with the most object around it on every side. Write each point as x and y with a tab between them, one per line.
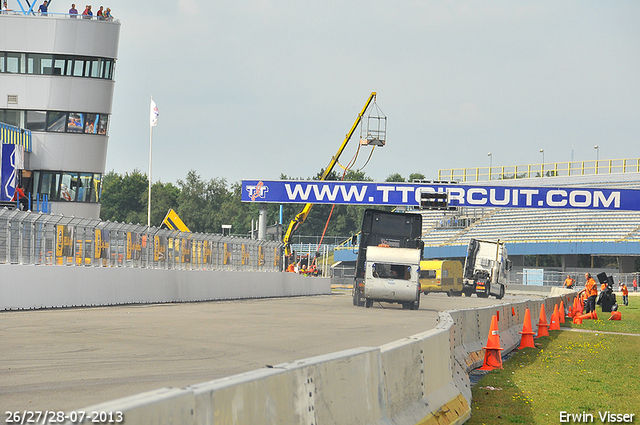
416	176
163	197
396	177
200	202
124	198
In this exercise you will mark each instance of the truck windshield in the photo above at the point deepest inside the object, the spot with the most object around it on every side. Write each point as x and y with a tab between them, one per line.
391	271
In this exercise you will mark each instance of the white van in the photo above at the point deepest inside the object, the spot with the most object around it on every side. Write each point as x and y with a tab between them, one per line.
391	275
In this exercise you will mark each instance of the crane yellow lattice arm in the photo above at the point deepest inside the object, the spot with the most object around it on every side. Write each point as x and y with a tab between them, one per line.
302	215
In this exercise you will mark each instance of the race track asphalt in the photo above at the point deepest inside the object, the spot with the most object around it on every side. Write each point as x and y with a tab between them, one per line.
73	358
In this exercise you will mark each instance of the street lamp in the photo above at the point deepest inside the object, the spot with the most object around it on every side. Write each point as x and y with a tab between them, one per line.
490	161
542	165
597	148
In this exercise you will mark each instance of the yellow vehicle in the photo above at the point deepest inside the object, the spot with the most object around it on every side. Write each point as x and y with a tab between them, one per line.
441	276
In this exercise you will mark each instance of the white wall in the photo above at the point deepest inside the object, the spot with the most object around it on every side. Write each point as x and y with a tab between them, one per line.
33	287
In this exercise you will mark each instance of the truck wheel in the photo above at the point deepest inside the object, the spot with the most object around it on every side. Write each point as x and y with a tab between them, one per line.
416	304
456	293
449	293
499	297
368	302
467	293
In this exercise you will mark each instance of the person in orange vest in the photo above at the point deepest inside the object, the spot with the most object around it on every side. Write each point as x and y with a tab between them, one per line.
291	268
625	294
568	282
591	291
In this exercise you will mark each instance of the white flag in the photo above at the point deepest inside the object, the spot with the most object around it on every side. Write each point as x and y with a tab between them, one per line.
154	114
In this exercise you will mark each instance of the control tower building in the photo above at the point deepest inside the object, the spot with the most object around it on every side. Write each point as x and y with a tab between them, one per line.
57	76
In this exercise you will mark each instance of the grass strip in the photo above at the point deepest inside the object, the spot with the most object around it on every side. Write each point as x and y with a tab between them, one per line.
573	372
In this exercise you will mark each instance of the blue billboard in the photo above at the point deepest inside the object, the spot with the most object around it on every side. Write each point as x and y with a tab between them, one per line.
11	159
459	195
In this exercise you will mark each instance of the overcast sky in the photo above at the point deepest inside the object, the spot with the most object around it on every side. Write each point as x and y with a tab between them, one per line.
252	89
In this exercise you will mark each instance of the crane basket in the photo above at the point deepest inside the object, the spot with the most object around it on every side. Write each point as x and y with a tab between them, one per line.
374	131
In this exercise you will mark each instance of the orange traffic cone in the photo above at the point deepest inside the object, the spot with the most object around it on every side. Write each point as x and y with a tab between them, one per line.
579	307
588	316
492	357
577	320
543	326
573	308
615	315
555	321
527	332
561	317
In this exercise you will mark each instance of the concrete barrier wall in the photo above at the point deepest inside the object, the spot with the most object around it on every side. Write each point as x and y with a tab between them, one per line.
422	379
33	287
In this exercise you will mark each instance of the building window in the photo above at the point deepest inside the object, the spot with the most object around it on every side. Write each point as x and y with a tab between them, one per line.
62	65
75	123
84	188
91	126
67	186
47	184
39	64
56	121
102	124
78	68
36	120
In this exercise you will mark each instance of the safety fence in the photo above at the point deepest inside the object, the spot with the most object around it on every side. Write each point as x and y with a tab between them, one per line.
37	238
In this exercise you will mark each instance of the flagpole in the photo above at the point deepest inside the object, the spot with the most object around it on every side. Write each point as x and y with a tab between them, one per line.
150	150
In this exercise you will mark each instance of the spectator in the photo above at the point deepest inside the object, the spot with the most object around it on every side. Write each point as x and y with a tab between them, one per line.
100	15
591	290
43	8
107	15
635	285
73	12
5	9
87	14
625	294
568	282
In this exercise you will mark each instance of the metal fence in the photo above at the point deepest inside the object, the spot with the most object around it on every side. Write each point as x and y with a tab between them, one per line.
37	238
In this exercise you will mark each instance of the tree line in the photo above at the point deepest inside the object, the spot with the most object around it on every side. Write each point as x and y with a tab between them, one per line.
205	205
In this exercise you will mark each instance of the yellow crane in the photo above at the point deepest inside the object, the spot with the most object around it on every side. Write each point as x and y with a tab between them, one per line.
302	215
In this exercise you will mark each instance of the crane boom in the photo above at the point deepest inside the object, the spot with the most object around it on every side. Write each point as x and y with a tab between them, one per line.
302	215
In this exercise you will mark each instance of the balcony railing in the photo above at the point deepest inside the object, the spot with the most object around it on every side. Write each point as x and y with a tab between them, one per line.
553	169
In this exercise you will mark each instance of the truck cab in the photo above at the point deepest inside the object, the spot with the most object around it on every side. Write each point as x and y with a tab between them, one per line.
486	268
391	275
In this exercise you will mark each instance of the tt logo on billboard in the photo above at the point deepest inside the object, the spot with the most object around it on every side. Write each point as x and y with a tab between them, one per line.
257	191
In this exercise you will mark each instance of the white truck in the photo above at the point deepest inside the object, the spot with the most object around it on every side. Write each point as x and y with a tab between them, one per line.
485	269
391	275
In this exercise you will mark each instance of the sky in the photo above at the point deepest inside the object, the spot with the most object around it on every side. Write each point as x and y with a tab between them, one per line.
252	89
